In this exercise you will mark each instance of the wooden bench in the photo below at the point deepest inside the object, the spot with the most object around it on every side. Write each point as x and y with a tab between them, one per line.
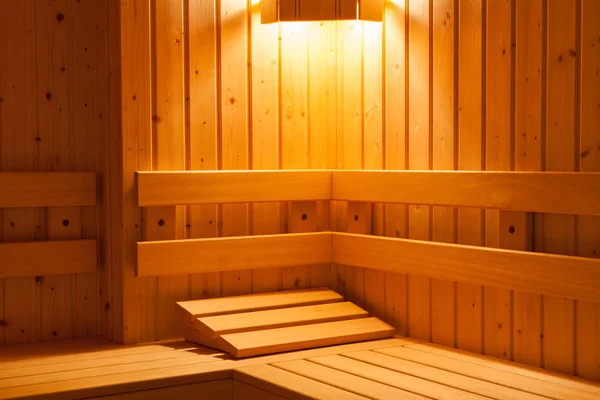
384	369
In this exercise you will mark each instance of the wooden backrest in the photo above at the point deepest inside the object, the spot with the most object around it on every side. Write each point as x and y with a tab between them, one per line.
47	189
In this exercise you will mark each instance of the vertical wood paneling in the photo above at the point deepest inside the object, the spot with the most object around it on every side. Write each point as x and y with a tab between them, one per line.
352	141
169	144
588	228
485	89
234	125
295	139
559	230
419	141
356	218
54	293
53	109
82	145
374	291
396	301
17	144
443	302
105	76
203	141
322	91
137	322
112	288
469	298
266	218
527	307
498	103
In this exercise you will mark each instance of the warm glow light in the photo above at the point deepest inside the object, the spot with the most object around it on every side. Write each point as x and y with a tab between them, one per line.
294	28
273	11
397	3
372	34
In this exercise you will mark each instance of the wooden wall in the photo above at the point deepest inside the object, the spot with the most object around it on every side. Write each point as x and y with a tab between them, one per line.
448	84
55	115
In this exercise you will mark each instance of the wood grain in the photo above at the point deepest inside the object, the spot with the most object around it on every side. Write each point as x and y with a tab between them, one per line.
203	142
445	377
558	235
444	151
260	302
47	258
58	189
258	320
395	379
561	193
289	385
266	217
588	314
248	344
343	380
235	131
395	119
232	254
538	273
203	187
527	307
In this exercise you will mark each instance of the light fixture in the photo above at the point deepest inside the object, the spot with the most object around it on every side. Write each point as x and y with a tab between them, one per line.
320	10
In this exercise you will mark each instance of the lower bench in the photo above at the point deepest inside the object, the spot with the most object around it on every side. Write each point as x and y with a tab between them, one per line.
398	368
413	371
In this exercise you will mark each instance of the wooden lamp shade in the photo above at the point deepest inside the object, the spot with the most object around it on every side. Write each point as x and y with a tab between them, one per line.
320	10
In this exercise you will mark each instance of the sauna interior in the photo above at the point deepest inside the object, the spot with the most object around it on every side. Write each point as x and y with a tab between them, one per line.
300	199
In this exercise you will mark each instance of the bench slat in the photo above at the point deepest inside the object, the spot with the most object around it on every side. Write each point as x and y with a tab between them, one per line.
396	379
447	378
270	341
258	302
288	385
345	381
280	318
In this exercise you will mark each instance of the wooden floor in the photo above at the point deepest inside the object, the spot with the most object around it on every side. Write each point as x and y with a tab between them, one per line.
396	368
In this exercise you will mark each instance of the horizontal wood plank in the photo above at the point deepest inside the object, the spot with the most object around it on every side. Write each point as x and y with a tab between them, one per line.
202	187
448	378
249	344
543	192
345	381
478	365
242	390
259	302
485	373
104	381
562	276
289	385
182	352
280	318
395	379
47	189
214	390
180	257
47	258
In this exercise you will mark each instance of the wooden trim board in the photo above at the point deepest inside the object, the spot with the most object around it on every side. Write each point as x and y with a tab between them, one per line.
178	257
544	192
259	302
218	325
563	276
47	189
47	258
204	187
271	341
